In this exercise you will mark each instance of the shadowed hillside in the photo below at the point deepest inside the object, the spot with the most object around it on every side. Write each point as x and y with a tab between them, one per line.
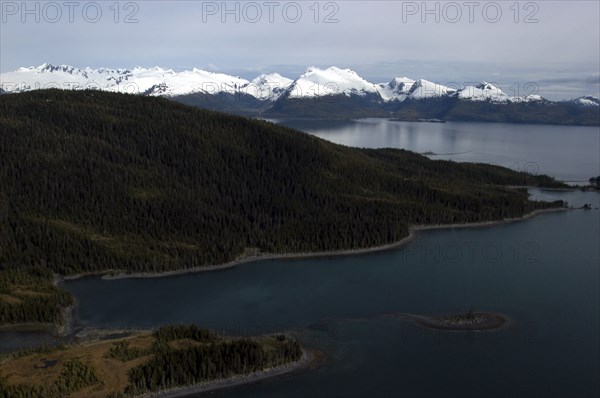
93	181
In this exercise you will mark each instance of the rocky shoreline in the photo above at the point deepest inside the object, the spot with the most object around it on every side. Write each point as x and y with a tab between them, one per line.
309	359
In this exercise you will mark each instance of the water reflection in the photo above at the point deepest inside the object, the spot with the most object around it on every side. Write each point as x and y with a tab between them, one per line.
569	153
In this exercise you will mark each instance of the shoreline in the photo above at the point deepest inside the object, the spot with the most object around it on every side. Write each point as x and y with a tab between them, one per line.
570	188
62	330
413	230
310	358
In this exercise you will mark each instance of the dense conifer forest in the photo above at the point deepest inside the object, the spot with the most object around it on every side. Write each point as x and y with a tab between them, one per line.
94	181
209	360
29	295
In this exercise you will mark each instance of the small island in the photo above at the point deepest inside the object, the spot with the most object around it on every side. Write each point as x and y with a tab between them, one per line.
421	120
469	321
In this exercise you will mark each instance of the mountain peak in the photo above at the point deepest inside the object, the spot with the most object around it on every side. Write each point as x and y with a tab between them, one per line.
586	100
483	91
271	77
400	80
425	89
267	86
316	82
486	86
528	98
46	67
396	90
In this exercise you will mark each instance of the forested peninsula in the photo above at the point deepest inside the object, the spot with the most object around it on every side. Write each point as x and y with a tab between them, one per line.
181	358
102	182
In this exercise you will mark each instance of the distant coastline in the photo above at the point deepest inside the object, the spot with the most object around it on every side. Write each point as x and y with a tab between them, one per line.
108	275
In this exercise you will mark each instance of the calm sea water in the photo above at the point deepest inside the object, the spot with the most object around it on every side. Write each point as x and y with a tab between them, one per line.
569	153
542	273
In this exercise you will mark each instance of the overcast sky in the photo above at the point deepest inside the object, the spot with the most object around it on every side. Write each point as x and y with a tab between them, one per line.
554	44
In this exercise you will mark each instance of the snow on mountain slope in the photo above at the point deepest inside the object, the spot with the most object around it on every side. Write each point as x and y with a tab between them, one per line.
488	92
482	92
396	90
314	82
527	98
267	87
196	81
64	77
587	100
317	82
153	81
422	89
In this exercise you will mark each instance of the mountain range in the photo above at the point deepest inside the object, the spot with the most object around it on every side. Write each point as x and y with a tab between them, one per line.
326	93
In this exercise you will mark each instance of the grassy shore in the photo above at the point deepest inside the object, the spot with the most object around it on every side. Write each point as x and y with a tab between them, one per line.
44	367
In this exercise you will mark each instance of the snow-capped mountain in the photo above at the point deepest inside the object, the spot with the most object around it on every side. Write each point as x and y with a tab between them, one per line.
329	92
187	82
527	98
482	92
587	101
422	89
485	91
64	77
317	82
152	81
396	90
267	87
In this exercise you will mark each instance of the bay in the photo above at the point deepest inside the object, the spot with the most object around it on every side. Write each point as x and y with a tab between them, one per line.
542	273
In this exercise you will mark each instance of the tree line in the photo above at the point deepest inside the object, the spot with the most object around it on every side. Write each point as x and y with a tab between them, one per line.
215	358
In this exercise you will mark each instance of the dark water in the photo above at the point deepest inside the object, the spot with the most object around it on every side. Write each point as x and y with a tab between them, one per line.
543	273
568	153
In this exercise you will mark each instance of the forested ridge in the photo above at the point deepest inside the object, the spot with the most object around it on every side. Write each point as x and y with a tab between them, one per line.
93	181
